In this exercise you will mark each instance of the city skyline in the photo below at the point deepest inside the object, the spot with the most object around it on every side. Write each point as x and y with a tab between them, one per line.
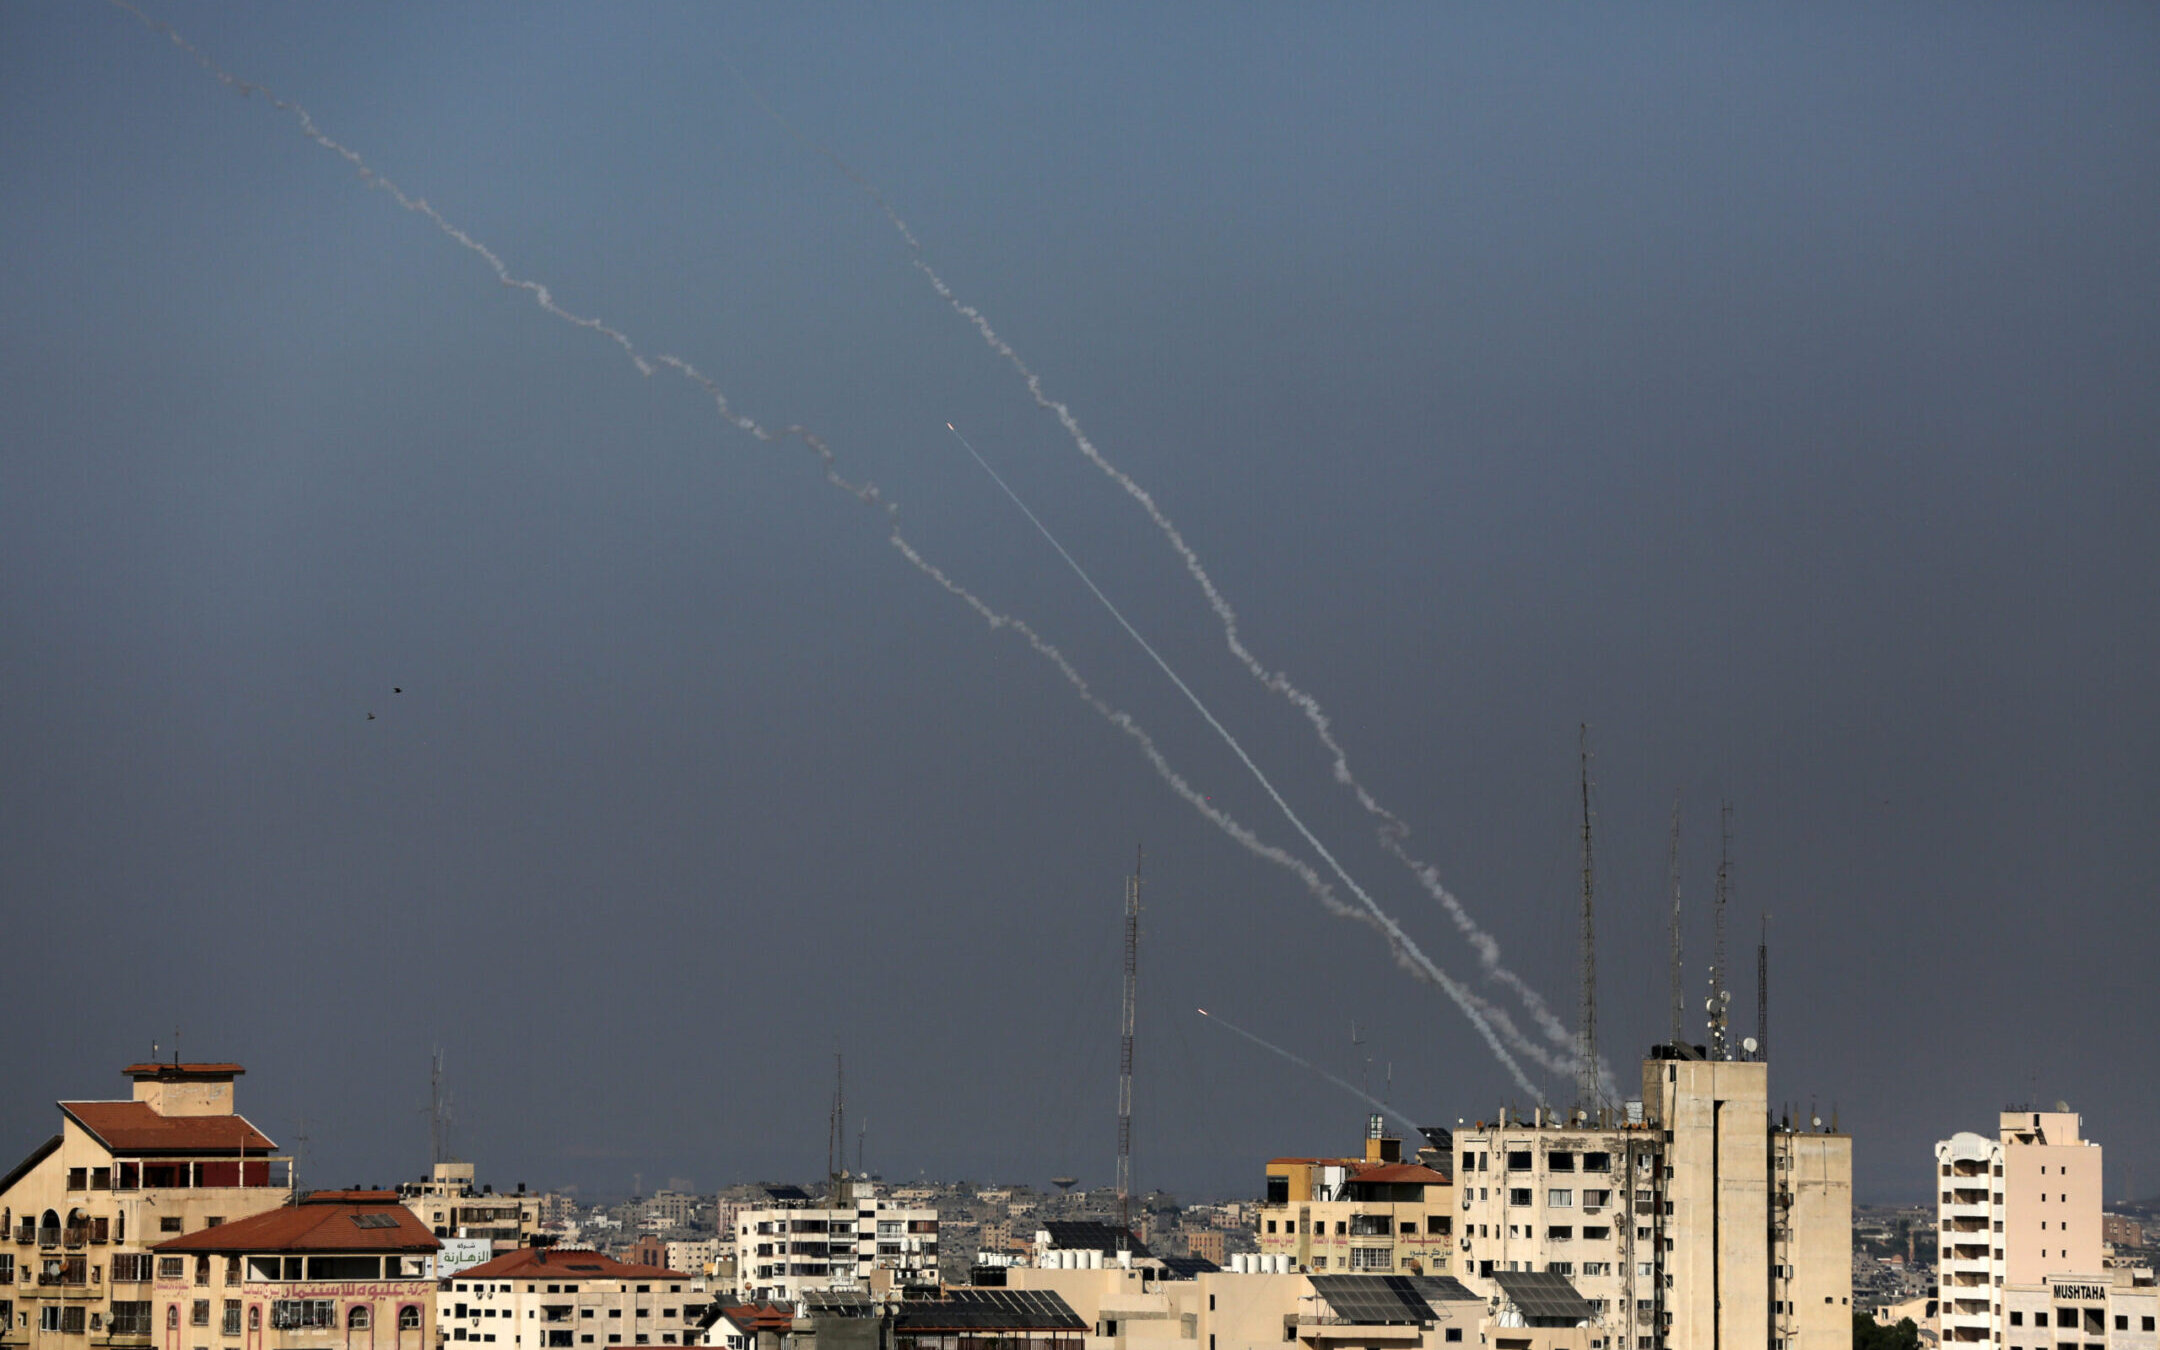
398	666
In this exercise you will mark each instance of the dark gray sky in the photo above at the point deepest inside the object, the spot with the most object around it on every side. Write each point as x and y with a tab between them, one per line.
1771	389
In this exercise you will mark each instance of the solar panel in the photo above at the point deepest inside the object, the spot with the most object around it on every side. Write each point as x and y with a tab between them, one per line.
1372	1300
1542	1294
373	1220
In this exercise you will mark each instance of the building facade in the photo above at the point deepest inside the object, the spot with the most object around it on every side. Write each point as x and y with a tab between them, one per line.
80	1215
2016	1212
538	1298
346	1269
1687	1219
1371	1215
863	1242
451	1205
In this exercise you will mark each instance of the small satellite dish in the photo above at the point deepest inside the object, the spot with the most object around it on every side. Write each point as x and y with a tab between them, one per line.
1818	1122
1747	1043
1709	1005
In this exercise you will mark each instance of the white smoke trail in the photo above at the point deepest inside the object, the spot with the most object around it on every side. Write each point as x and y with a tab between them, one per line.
1401	941
869	495
1303	1063
1393	829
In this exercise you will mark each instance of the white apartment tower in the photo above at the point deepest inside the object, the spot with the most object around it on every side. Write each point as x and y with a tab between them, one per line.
2014	1211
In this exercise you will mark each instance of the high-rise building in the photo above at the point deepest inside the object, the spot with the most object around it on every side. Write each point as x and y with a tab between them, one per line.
1374	1215
2015	1211
1687	1219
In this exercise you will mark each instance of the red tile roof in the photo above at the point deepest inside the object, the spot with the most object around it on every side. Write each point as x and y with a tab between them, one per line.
559	1263
170	1071
133	1127
323	1222
760	1316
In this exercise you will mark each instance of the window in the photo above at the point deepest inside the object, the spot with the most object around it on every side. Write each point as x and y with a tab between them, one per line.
1598	1198
1519	1160
1371	1258
1518	1195
131	1267
360	1318
168	1223
49	1317
1560	1232
131	1318
230	1325
2040	1319
255	1318
1454	1334
1597	1162
303	1314
1560	1162
2017	1319
1559	1199
1596	1234
199	1315
172	1317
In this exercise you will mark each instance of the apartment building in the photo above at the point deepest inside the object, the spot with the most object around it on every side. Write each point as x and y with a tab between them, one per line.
2017	1212
349	1268
541	1298
451	1205
1138	1308
1375	1214
855	1240
80	1215
2081	1312
1687	1220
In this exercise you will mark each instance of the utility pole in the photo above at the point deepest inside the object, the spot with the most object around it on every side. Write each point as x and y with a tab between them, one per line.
1586	1081
1125	1045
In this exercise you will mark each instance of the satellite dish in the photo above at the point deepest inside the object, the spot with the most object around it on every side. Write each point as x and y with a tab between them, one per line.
1709	1005
1747	1043
1818	1122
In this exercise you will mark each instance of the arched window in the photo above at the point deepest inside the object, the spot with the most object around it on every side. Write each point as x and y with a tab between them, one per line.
358	1319
172	1317
255	1318
408	1317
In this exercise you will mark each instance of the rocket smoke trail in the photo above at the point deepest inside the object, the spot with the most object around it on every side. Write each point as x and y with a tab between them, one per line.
869	495
1393	830
1399	940
1374	1102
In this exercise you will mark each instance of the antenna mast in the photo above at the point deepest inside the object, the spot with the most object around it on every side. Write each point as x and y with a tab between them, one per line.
1762	992
1720	997
1125	1044
1672	871
836	1129
438	1112
1586	1085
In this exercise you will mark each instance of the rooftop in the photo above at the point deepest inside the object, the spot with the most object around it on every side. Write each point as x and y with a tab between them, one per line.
325	1221
559	1263
136	1127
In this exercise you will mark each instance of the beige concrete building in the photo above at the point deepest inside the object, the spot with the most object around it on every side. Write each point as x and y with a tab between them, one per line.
347	1269
1136	1309
1687	1220
80	1215
2083	1312
2015	1211
863	1242
451	1205
538	1298
1371	1215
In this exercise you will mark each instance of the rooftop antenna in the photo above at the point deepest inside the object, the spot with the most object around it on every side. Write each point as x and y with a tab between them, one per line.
438	1110
1357	1045
1672	871
300	1143
1762	991
1125	1048
1586	1072
1720	997
836	1128
862	1132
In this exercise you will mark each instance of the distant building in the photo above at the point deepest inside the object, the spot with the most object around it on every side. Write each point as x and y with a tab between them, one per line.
449	1203
1371	1215
1140	1309
346	1268
87	1206
862	1242
566	1299
696	1257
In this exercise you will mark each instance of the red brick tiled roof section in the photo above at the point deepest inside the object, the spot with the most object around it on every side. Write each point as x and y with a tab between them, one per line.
760	1316
132	1127
315	1227
169	1070
558	1263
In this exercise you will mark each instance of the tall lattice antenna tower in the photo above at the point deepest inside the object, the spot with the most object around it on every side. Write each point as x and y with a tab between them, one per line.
438	1111
1125	1045
1720	996
1762	992
836	1128
1586	1072
1672	874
